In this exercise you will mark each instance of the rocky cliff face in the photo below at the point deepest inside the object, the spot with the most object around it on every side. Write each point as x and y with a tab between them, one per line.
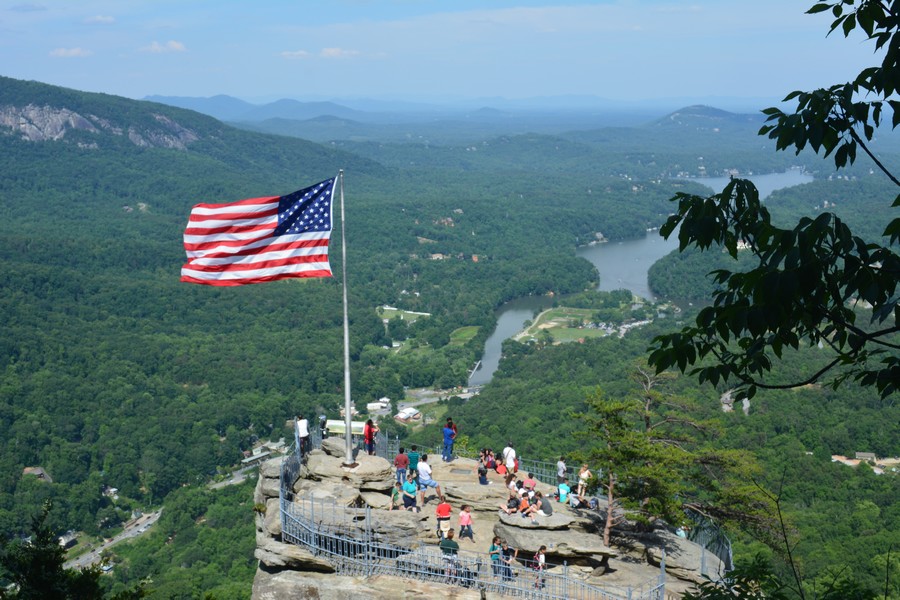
46	123
286	570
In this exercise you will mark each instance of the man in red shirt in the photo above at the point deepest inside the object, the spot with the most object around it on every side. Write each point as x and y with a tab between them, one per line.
401	463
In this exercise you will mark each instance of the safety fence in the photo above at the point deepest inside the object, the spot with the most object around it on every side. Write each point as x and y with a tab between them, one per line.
347	539
345	536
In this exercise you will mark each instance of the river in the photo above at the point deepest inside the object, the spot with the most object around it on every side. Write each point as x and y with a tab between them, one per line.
622	265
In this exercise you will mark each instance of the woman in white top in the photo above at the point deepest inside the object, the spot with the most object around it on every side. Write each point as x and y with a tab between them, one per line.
583	475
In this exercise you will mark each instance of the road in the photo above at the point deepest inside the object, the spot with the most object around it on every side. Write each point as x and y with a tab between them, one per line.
237	477
133	528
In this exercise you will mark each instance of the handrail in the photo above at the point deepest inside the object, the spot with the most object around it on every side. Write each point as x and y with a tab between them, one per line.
345	537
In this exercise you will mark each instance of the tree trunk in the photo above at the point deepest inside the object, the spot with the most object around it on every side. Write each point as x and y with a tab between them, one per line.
610	508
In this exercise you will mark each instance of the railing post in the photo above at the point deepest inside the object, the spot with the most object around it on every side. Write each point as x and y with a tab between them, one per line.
662	568
566	578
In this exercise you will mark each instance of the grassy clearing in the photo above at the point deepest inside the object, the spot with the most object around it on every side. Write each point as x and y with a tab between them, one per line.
459	337
391	313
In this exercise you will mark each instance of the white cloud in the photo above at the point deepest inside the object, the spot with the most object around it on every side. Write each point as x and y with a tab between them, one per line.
100	20
295	54
337	53
170	46
70	53
27	8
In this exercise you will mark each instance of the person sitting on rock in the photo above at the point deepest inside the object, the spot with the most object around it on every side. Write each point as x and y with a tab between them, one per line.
512	504
425	480
482	473
529	482
396	496
564	490
540	507
410	490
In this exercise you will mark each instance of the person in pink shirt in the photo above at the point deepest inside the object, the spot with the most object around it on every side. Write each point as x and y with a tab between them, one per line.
465	523
529	483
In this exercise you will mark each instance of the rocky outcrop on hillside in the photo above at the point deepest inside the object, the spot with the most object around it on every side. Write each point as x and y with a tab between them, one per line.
46	123
573	537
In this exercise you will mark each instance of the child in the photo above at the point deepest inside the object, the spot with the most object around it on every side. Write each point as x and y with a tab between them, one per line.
442	515
465	523
539	565
494	553
482	474
396	497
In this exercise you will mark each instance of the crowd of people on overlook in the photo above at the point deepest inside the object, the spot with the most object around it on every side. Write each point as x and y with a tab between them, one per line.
414	477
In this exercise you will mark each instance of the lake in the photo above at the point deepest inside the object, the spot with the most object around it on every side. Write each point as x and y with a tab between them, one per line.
622	265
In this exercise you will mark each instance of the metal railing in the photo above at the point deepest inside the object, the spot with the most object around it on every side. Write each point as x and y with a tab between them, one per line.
346	538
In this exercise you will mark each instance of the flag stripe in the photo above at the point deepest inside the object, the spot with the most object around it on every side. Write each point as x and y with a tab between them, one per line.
260	239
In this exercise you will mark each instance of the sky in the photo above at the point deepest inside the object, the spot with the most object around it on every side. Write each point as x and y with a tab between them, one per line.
427	50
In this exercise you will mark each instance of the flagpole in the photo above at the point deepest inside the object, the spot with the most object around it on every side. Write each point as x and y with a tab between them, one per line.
348	417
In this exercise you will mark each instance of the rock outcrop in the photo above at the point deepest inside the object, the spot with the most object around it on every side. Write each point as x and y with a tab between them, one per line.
47	123
571	536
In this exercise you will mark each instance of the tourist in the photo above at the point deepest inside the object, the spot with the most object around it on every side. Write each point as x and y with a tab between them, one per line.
507	556
512	504
561	470
442	516
529	482
449	436
537	506
425	480
482	473
401	463
396	496
410	490
413	457
494	553
302	434
539	564
583	475
509	461
489	461
564	490
465	523
449	550
452	426
370	430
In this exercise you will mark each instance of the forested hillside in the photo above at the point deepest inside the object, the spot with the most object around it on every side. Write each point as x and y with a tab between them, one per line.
114	374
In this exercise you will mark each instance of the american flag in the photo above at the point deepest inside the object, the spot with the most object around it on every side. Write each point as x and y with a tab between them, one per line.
260	239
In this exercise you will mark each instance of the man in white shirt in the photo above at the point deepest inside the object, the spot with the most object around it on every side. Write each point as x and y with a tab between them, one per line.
303	433
509	460
425	480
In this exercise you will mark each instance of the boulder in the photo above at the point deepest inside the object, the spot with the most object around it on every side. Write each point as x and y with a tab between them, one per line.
274	554
272	520
553	522
371	473
376	500
685	560
481	497
568	545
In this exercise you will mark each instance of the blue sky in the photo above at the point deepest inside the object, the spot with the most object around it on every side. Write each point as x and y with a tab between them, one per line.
427	49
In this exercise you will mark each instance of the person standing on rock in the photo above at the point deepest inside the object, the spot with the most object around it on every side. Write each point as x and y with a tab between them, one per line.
583	475
442	516
370	430
303	434
509	461
465	523
450	550
449	436
413	456
561	470
425	480
401	463
494	553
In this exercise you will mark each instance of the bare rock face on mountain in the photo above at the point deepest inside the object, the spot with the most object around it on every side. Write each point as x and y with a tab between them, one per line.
48	123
